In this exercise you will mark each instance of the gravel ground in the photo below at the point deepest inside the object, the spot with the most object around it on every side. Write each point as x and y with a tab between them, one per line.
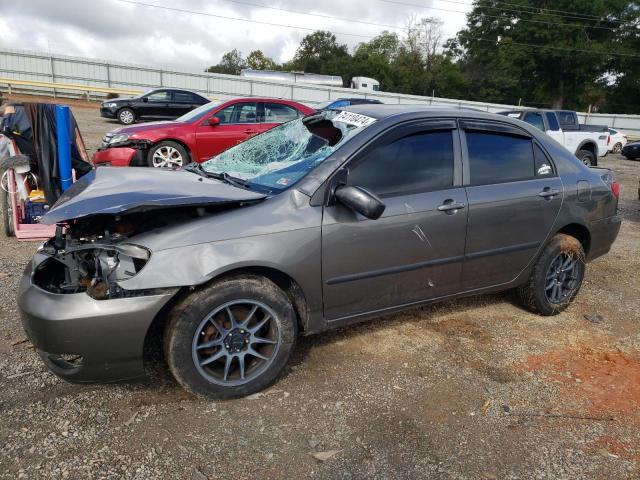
474	388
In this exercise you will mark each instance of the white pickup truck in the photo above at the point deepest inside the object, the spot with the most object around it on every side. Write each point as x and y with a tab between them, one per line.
587	142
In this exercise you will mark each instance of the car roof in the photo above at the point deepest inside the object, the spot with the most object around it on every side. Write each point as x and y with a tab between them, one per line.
382	110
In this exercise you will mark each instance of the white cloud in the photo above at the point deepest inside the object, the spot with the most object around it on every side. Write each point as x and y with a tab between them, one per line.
119	31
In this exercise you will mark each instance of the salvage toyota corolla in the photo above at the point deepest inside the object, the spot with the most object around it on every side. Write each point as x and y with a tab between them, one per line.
330	219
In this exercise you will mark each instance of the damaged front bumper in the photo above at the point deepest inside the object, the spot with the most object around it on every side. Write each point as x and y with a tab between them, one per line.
122	154
86	340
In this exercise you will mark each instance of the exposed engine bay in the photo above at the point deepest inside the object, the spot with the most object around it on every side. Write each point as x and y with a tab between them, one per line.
93	255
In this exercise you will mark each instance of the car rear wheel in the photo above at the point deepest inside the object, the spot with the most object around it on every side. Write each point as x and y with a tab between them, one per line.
126	116
556	276
587	157
617	148
232	338
167	154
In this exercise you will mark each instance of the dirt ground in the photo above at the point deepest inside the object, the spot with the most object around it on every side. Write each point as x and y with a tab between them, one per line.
469	389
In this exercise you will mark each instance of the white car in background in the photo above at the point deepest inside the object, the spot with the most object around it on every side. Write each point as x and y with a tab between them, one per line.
617	140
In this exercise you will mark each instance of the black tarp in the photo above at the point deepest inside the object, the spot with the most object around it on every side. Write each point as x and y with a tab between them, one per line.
33	127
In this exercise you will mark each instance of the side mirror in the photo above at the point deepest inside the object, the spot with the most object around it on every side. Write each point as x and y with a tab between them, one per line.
213	121
145	100
361	201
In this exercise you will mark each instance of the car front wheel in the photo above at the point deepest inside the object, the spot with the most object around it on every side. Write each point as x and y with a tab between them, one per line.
231	338
167	154
617	148
126	116
556	276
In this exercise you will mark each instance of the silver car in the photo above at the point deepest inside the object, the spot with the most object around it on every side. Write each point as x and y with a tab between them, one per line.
334	218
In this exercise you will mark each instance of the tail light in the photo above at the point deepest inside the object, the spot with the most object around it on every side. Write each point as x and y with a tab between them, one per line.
609	140
615	189
611	182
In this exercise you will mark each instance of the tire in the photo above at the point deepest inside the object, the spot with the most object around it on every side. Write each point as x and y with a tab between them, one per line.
537	294
617	148
7	217
588	158
202	320
126	116
167	154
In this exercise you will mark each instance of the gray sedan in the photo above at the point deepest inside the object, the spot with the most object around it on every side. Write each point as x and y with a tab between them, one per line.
334	218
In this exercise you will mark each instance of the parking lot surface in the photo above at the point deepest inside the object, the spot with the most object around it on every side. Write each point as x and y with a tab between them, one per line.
473	388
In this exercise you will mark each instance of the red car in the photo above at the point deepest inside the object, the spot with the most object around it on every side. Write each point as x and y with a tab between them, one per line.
197	135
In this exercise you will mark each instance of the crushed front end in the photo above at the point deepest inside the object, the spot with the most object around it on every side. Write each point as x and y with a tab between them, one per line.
86	327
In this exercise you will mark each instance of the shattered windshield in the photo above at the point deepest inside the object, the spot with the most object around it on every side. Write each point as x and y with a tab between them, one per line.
280	157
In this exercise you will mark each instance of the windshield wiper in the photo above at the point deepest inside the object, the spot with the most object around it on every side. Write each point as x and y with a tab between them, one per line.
222	176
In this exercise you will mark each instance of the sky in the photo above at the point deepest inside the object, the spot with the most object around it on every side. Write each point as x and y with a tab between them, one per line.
131	31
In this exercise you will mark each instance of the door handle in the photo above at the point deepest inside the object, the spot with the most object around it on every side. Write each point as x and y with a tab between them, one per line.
548	193
250	131
450	206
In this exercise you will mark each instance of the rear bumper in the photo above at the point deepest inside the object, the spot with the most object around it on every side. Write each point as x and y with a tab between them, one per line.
603	233
116	157
108	335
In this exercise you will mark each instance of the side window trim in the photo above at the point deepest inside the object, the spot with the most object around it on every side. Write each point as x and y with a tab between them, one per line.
495	127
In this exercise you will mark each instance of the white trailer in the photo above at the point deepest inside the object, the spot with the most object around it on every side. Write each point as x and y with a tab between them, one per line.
357	83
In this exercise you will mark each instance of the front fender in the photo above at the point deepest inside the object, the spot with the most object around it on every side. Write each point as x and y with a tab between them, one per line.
295	253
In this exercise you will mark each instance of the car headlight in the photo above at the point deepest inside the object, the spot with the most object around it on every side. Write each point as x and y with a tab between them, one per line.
118	138
111	105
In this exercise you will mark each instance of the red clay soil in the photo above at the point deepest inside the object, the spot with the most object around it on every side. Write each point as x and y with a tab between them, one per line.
605	381
614	447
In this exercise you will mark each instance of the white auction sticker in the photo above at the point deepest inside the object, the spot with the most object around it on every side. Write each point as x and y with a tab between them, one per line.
353	119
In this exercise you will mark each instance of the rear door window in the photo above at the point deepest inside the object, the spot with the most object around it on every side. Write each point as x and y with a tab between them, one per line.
499	158
183	97
535	119
416	163
279	113
567	118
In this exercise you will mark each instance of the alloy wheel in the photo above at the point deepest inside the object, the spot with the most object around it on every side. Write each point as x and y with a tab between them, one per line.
236	342
617	148
126	117
167	156
562	278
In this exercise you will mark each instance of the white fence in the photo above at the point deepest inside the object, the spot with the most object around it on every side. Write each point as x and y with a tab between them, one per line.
41	67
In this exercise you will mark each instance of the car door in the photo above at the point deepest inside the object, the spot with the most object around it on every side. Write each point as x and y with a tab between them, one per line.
514	196
273	114
181	103
155	104
414	251
238	122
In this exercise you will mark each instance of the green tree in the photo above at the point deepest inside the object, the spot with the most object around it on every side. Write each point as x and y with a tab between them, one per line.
232	63
320	52
259	61
622	83
499	67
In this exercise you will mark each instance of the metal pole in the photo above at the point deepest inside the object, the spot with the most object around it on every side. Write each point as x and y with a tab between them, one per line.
108	76
63	130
